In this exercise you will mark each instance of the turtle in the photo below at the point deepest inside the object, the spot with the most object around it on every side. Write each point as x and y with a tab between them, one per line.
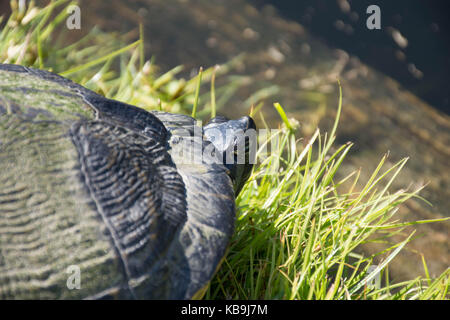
100	199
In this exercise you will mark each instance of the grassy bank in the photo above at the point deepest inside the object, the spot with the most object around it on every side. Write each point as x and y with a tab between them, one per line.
298	227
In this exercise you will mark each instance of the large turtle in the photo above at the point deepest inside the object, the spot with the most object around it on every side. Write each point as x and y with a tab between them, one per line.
100	199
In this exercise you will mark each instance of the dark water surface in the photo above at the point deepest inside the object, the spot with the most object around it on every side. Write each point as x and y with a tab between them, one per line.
412	46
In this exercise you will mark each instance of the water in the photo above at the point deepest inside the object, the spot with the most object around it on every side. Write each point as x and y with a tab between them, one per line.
411	47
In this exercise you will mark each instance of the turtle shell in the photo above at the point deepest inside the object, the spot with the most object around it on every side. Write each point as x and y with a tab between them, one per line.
96	201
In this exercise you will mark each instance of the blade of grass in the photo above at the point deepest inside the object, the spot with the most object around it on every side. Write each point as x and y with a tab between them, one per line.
100	60
213	92
283	116
197	92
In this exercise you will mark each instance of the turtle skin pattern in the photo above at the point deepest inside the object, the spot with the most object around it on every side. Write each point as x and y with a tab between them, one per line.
95	183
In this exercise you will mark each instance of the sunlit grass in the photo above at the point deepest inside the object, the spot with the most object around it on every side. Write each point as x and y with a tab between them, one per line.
298	226
297	230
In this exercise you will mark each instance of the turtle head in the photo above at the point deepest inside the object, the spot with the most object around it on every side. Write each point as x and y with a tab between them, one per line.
235	143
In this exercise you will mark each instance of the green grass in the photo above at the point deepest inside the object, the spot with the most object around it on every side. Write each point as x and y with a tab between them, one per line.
298	226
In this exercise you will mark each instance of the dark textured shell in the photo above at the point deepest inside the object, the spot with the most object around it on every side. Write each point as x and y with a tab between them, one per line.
98	184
